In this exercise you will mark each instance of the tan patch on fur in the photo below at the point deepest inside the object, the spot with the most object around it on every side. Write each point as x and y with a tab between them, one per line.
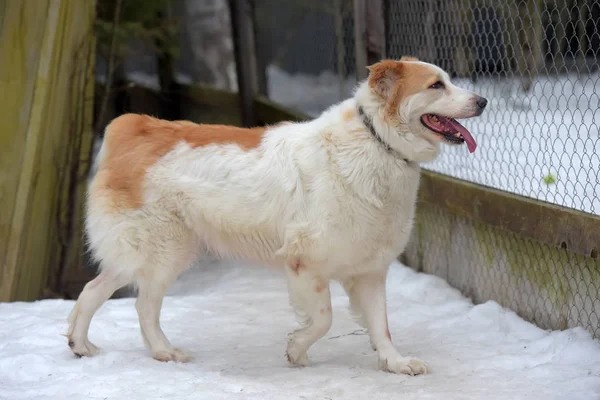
348	115
393	81
408	58
133	143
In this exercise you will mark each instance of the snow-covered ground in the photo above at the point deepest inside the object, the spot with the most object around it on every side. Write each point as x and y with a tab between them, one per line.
234	319
523	138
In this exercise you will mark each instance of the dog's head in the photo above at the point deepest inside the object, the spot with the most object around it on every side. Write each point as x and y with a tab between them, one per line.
419	97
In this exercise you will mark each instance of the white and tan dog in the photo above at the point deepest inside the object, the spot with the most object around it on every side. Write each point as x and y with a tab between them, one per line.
331	199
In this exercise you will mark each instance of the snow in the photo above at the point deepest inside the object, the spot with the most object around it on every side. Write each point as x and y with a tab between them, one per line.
522	138
233	319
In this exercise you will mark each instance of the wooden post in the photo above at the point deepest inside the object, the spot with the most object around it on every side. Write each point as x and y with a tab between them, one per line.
242	21
46	125
369	31
338	18
169	88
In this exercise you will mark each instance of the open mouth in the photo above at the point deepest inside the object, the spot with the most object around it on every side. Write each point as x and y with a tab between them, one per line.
449	129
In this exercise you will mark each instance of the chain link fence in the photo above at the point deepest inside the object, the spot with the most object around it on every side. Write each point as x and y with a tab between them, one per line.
306	48
537	64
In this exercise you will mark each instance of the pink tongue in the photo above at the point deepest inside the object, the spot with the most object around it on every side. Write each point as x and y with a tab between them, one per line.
465	134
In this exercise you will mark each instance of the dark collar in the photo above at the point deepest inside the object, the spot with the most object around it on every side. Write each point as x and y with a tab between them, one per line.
369	124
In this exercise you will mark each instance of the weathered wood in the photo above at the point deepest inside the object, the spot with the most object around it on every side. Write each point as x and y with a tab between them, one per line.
269	113
550	286
547	223
376	34
242	18
369	33
17	85
39	99
360	39
526	42
209	96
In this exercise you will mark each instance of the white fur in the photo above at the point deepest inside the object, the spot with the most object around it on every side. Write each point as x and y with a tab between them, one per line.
322	197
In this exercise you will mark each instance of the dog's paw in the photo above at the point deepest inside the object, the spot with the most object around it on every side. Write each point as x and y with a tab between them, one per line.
403	365
83	348
295	355
174	354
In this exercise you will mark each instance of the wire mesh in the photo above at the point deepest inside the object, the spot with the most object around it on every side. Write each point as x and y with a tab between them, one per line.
549	286
537	63
307	50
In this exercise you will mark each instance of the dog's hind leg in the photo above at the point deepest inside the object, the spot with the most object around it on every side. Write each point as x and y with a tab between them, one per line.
311	300
151	290
153	281
94	294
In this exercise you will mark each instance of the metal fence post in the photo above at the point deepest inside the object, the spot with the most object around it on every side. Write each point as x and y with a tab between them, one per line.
245	57
369	31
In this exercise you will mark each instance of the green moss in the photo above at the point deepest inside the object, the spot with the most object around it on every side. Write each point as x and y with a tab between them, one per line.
544	267
486	243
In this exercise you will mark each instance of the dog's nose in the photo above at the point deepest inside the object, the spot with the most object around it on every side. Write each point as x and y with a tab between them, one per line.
481	103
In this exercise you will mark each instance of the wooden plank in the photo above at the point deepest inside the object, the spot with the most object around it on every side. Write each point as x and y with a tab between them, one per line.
24	215
369	33
360	39
79	117
210	96
31	106
21	43
242	21
3	9
547	223
269	112
376	36
40	140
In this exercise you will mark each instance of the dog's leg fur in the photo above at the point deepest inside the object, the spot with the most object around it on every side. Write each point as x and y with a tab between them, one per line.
311	300
151	291
368	304
94	294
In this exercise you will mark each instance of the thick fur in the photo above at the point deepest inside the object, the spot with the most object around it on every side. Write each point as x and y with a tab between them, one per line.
322	198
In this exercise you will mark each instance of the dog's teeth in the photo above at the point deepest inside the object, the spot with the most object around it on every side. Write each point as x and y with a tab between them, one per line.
457	134
435	119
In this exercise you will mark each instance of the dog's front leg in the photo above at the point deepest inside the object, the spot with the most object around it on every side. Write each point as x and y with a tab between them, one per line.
368	302
311	300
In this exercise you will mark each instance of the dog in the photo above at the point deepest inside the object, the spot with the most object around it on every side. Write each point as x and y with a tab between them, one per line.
329	199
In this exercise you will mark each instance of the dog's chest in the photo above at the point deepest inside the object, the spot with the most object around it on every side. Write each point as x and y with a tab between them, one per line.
365	228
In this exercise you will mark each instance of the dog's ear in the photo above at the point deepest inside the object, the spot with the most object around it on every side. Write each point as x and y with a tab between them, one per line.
383	76
409	58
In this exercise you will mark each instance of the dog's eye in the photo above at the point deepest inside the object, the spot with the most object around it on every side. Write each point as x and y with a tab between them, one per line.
437	85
